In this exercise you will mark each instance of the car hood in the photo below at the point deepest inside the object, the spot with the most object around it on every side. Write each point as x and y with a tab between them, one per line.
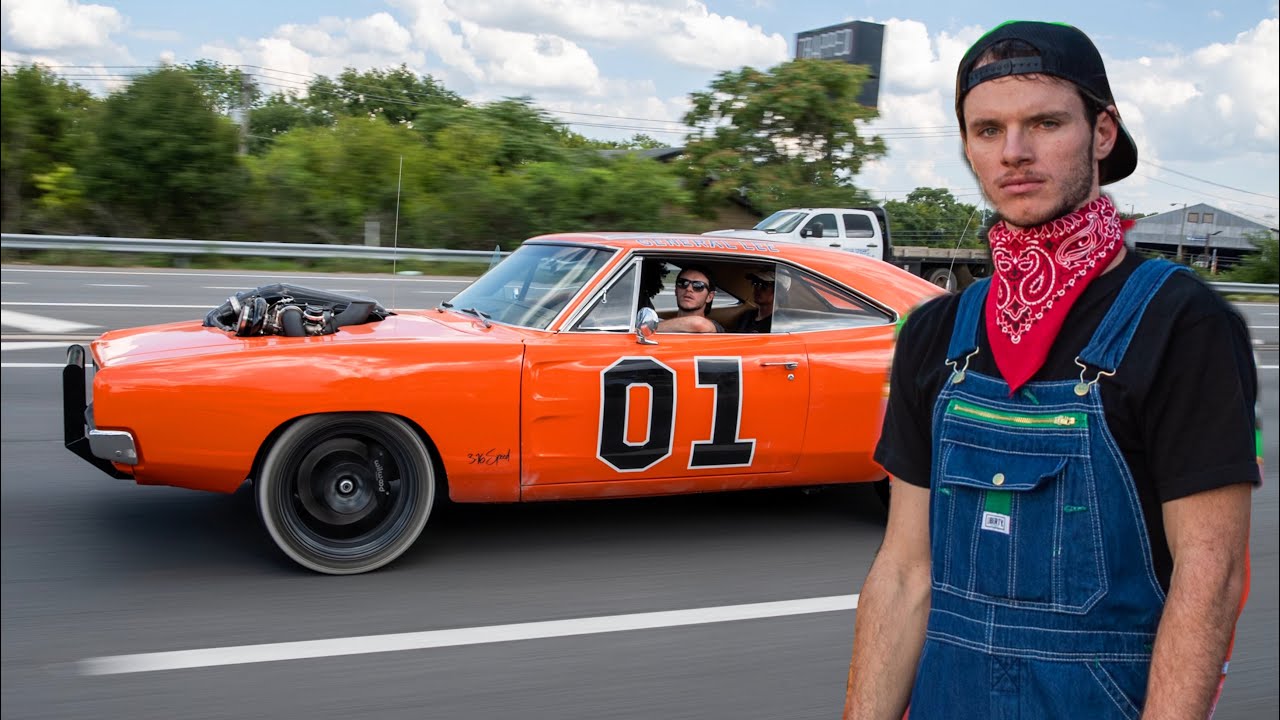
191	339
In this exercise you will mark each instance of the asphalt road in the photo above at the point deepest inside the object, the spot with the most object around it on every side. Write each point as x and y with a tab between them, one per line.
94	567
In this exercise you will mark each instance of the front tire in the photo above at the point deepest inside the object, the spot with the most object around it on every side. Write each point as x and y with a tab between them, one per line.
343	494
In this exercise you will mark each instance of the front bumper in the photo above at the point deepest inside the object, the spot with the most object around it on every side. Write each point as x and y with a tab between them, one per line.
103	449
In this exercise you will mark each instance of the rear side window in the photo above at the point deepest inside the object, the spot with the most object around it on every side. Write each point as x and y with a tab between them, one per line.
858	226
806	304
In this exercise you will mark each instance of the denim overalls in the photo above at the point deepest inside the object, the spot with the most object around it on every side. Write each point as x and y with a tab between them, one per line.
1045	602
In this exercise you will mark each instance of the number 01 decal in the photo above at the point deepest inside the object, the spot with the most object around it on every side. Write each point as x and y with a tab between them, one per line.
724	449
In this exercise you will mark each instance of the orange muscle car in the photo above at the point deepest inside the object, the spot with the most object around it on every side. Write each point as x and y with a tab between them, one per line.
545	379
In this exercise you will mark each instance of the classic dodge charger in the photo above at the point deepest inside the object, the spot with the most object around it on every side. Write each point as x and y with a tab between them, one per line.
548	378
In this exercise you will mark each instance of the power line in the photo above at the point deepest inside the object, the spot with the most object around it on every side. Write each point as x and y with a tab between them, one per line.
1207	182
1216	197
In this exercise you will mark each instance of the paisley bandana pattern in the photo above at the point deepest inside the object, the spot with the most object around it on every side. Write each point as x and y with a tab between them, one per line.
1038	275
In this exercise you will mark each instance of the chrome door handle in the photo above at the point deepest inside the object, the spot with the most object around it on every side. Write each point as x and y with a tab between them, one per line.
790	364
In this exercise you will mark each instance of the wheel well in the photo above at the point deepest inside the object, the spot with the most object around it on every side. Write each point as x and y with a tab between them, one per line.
437	465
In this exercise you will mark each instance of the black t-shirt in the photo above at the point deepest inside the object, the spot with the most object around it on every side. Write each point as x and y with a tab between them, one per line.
748	323
1180	406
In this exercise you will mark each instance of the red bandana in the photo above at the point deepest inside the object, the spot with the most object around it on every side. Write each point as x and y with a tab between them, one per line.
1039	274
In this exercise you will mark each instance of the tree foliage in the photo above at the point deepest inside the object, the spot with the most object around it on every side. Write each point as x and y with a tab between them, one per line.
781	137
934	216
42	120
162	163
1260	267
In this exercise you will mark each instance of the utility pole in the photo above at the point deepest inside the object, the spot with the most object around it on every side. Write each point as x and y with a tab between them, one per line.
1182	232
245	90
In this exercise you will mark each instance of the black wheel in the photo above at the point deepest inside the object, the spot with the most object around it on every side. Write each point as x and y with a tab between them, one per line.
882	491
943	278
345	494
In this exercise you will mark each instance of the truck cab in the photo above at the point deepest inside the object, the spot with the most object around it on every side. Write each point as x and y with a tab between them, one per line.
851	229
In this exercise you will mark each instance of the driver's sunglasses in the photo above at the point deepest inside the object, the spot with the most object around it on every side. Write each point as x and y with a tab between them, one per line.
698	285
761	284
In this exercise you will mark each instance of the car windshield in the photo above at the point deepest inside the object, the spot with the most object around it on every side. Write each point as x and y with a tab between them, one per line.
532	285
783	221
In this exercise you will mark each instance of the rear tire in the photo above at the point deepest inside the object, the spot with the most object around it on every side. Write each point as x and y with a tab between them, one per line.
943	278
343	494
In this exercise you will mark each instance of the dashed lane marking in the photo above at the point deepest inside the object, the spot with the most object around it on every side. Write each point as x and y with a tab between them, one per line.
36	323
335	647
104	305
119	285
7	346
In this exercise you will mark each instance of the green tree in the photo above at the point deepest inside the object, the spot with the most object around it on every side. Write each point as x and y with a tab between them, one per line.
933	215
782	137
163	162
229	90
321	184
42	126
1262	266
277	114
396	94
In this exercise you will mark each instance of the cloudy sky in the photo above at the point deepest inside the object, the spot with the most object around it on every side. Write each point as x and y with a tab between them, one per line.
1196	83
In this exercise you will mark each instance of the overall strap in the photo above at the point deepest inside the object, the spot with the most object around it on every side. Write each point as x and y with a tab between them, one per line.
1111	339
964	336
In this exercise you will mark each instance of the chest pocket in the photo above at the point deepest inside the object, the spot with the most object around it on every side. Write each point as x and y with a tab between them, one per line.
1014	516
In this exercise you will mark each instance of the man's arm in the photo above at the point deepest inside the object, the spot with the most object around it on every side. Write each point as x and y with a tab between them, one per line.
893	610
1208	534
687	324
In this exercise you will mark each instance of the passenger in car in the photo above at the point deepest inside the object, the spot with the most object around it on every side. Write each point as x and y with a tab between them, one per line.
762	286
695	292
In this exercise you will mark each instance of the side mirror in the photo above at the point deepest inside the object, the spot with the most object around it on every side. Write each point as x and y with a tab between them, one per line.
646	326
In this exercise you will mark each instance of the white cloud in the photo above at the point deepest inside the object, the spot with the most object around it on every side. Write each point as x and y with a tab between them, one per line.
531	62
683	31
52	25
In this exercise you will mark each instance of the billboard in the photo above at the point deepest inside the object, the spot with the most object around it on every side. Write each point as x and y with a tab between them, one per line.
857	43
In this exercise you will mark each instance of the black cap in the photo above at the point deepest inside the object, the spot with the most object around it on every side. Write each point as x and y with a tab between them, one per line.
1065	52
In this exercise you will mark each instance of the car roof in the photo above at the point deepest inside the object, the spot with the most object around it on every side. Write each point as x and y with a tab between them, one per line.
771	249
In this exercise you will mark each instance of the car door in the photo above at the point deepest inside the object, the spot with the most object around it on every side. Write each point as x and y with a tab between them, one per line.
716	411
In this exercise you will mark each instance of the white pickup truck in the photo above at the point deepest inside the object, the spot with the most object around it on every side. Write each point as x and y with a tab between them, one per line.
866	231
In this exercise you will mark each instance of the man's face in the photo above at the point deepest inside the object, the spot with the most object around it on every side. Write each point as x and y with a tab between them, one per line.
1031	147
762	294
693	292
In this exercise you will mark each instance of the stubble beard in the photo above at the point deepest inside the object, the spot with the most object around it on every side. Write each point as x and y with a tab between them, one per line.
1077	187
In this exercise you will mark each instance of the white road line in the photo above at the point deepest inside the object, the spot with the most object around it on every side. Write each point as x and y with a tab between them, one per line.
35	323
19	365
216	274
102	305
124	285
11	282
6	346
334	647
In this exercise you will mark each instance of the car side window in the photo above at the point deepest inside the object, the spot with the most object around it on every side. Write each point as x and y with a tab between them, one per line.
858	226
804	303
613	309
828	223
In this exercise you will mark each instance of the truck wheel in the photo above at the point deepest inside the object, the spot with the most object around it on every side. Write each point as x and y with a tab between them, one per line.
346	493
943	278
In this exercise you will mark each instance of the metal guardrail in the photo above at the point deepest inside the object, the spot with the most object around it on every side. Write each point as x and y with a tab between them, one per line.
256	249
315	250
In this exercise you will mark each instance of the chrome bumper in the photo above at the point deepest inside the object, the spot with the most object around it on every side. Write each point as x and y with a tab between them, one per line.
100	448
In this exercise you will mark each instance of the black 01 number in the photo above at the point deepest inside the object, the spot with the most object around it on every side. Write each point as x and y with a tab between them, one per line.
724	449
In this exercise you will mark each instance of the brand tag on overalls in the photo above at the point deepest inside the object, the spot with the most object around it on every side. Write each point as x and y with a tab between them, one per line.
997	507
995	522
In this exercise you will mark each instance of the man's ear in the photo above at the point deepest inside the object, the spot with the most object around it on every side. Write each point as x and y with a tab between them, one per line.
1105	132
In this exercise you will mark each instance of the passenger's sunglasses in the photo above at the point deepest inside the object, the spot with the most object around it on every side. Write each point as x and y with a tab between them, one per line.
695	284
761	284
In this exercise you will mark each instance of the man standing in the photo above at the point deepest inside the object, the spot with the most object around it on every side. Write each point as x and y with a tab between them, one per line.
762	287
1070	442
694	295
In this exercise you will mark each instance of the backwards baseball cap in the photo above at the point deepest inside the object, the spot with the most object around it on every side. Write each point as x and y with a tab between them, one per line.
1064	52
769	276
